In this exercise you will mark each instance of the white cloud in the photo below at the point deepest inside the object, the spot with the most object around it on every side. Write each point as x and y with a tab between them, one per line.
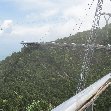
34	4
50	31
70	12
29	32
47	20
7	26
49	13
107	6
41	16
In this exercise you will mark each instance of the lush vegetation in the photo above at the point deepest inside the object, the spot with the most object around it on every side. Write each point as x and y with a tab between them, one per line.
40	78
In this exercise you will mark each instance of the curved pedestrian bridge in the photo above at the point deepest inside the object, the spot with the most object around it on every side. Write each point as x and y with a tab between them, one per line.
85	98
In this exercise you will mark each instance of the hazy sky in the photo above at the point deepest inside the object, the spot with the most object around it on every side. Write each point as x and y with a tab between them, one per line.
43	20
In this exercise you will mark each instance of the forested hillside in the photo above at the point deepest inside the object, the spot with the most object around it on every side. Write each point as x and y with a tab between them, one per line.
40	78
81	37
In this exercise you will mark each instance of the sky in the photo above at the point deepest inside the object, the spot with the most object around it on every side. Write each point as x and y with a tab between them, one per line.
43	20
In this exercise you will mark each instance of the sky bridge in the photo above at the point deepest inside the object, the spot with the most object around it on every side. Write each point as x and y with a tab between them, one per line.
71	45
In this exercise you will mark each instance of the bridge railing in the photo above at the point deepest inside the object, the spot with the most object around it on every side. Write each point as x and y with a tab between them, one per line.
85	98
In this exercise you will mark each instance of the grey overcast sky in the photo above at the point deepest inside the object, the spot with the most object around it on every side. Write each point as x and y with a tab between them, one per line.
43	20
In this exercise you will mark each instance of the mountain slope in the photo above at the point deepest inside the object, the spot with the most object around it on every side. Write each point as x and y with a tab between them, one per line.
49	74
